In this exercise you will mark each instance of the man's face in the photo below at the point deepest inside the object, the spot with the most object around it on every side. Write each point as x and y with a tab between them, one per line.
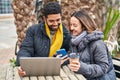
53	21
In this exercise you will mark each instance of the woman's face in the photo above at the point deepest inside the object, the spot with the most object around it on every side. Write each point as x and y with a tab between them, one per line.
75	26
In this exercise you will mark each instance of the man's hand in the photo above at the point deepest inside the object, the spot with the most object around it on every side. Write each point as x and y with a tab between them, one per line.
64	58
21	72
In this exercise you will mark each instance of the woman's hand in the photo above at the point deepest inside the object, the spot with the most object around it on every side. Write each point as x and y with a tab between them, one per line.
74	65
21	72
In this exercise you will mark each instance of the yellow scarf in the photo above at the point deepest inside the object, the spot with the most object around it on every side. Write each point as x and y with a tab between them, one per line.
57	39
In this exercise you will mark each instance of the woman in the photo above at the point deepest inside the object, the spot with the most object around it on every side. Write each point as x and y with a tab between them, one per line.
94	62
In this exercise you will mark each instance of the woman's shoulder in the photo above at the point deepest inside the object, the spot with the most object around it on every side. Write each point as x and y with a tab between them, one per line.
97	44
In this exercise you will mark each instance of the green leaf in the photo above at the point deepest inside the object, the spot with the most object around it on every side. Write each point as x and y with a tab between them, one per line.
113	16
13	62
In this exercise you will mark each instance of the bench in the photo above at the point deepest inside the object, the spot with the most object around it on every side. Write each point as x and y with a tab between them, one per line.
11	73
116	63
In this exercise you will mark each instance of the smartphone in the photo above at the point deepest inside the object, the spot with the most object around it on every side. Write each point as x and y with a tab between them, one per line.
61	52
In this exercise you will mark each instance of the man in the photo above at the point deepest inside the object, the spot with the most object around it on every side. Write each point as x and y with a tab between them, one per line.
42	40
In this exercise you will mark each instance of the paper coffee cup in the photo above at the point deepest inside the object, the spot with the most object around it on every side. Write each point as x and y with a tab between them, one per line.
73	57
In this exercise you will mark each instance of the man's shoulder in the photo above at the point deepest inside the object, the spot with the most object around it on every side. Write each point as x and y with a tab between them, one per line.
64	26
36	26
65	30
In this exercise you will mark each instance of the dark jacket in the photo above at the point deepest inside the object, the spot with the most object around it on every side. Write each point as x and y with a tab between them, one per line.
92	45
37	43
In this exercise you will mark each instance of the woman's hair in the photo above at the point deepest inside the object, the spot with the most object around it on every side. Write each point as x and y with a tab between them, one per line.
51	8
87	22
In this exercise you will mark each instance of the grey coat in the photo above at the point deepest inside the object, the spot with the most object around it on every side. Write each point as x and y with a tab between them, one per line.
92	45
37	43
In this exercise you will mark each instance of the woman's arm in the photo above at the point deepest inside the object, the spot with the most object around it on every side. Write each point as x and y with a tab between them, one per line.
101	64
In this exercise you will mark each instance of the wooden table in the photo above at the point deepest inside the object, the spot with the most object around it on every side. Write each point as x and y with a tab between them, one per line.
65	74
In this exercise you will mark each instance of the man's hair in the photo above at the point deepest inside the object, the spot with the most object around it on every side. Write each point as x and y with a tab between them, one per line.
51	8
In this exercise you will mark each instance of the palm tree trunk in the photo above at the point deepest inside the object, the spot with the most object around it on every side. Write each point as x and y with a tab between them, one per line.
24	17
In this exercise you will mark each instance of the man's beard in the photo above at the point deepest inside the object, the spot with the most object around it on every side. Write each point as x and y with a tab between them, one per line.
51	27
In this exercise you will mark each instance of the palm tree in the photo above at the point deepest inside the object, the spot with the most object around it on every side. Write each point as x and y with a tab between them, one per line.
24	17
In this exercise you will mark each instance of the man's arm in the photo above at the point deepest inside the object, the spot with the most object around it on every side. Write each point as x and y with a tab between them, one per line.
26	48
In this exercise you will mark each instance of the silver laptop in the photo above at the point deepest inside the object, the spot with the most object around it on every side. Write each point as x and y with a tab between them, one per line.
40	66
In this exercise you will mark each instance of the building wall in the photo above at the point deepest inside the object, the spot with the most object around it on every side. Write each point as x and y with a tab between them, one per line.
5	6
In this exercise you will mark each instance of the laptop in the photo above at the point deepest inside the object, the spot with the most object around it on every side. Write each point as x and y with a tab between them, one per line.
41	66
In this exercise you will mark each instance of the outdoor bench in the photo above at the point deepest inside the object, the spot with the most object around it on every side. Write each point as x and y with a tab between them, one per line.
116	63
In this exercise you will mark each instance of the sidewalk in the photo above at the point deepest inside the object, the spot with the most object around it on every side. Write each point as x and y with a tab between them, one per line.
6	16
8	38
6	55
